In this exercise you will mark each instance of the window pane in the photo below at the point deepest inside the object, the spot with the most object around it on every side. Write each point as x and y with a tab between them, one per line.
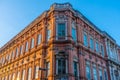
23	75
48	68
61	66
97	47
18	76
61	30
21	48
105	75
39	39
36	71
29	74
85	39
100	74
91	44
13	55
48	34
75	69
32	43
13	77
26	47
17	52
95	73
74	35
88	73
102	50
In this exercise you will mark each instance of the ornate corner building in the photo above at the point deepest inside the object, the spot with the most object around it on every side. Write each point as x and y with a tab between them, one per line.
61	44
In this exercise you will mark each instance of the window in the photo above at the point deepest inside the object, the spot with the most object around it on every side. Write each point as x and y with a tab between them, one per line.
23	75
32	43
29	74
100	74
105	75
13	77
97	47
36	72
61	31
9	57
88	72
13	54
21	49
85	39
61	66
91	43
9	78
48	34
17	52
18	76
75	66
39	39
95	73
48	68
112	73
26	47
74	32
102	50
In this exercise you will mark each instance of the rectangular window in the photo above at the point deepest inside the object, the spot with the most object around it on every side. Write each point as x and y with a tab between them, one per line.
21	49
95	73
97	47
9	78
29	74
85	39
105	75
17	52
102	50
18	76
39	39
32	43
13	77
26	46
9	57
13	55
91	43
61	31
48	34
48	68
88	72
23	75
36	72
61	66
74	34
75	69
100	74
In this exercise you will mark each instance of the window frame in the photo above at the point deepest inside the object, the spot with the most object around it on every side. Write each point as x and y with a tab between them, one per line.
74	31
57	37
32	43
88	66
91	43
85	39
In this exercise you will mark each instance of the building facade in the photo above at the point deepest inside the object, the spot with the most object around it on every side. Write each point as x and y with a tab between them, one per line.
61	44
113	58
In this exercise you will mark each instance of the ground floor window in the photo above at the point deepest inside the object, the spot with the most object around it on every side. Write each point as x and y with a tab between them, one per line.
88	72
95	73
100	74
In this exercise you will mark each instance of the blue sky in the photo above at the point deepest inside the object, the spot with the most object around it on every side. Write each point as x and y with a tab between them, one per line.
15	15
